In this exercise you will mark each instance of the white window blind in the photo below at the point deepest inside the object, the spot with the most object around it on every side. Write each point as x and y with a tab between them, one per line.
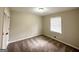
55	24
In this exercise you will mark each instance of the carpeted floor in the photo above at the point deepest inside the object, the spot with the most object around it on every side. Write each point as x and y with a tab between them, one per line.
39	44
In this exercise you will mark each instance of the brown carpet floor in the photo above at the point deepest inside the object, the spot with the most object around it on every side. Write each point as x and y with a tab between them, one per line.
39	44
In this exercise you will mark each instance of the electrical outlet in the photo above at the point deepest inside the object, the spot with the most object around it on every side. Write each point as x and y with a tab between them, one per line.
54	36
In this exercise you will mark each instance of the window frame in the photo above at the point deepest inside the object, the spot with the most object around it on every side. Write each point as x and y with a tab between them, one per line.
51	25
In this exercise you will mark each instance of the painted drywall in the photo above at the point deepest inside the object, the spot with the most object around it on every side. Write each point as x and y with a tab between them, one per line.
70	27
1	22
24	25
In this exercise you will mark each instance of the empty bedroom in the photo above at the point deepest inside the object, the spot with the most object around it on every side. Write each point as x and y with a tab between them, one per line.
38	29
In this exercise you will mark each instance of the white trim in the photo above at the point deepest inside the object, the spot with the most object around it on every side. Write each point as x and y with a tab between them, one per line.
64	42
21	39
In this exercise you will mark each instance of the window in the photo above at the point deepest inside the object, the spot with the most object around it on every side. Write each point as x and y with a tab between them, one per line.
55	24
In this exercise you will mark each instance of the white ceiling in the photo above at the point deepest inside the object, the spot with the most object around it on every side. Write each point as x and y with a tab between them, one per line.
49	11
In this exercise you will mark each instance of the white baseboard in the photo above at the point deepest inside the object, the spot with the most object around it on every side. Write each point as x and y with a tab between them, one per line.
63	42
21	39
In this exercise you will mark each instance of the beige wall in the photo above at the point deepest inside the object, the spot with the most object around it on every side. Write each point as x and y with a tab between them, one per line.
70	27
24	25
